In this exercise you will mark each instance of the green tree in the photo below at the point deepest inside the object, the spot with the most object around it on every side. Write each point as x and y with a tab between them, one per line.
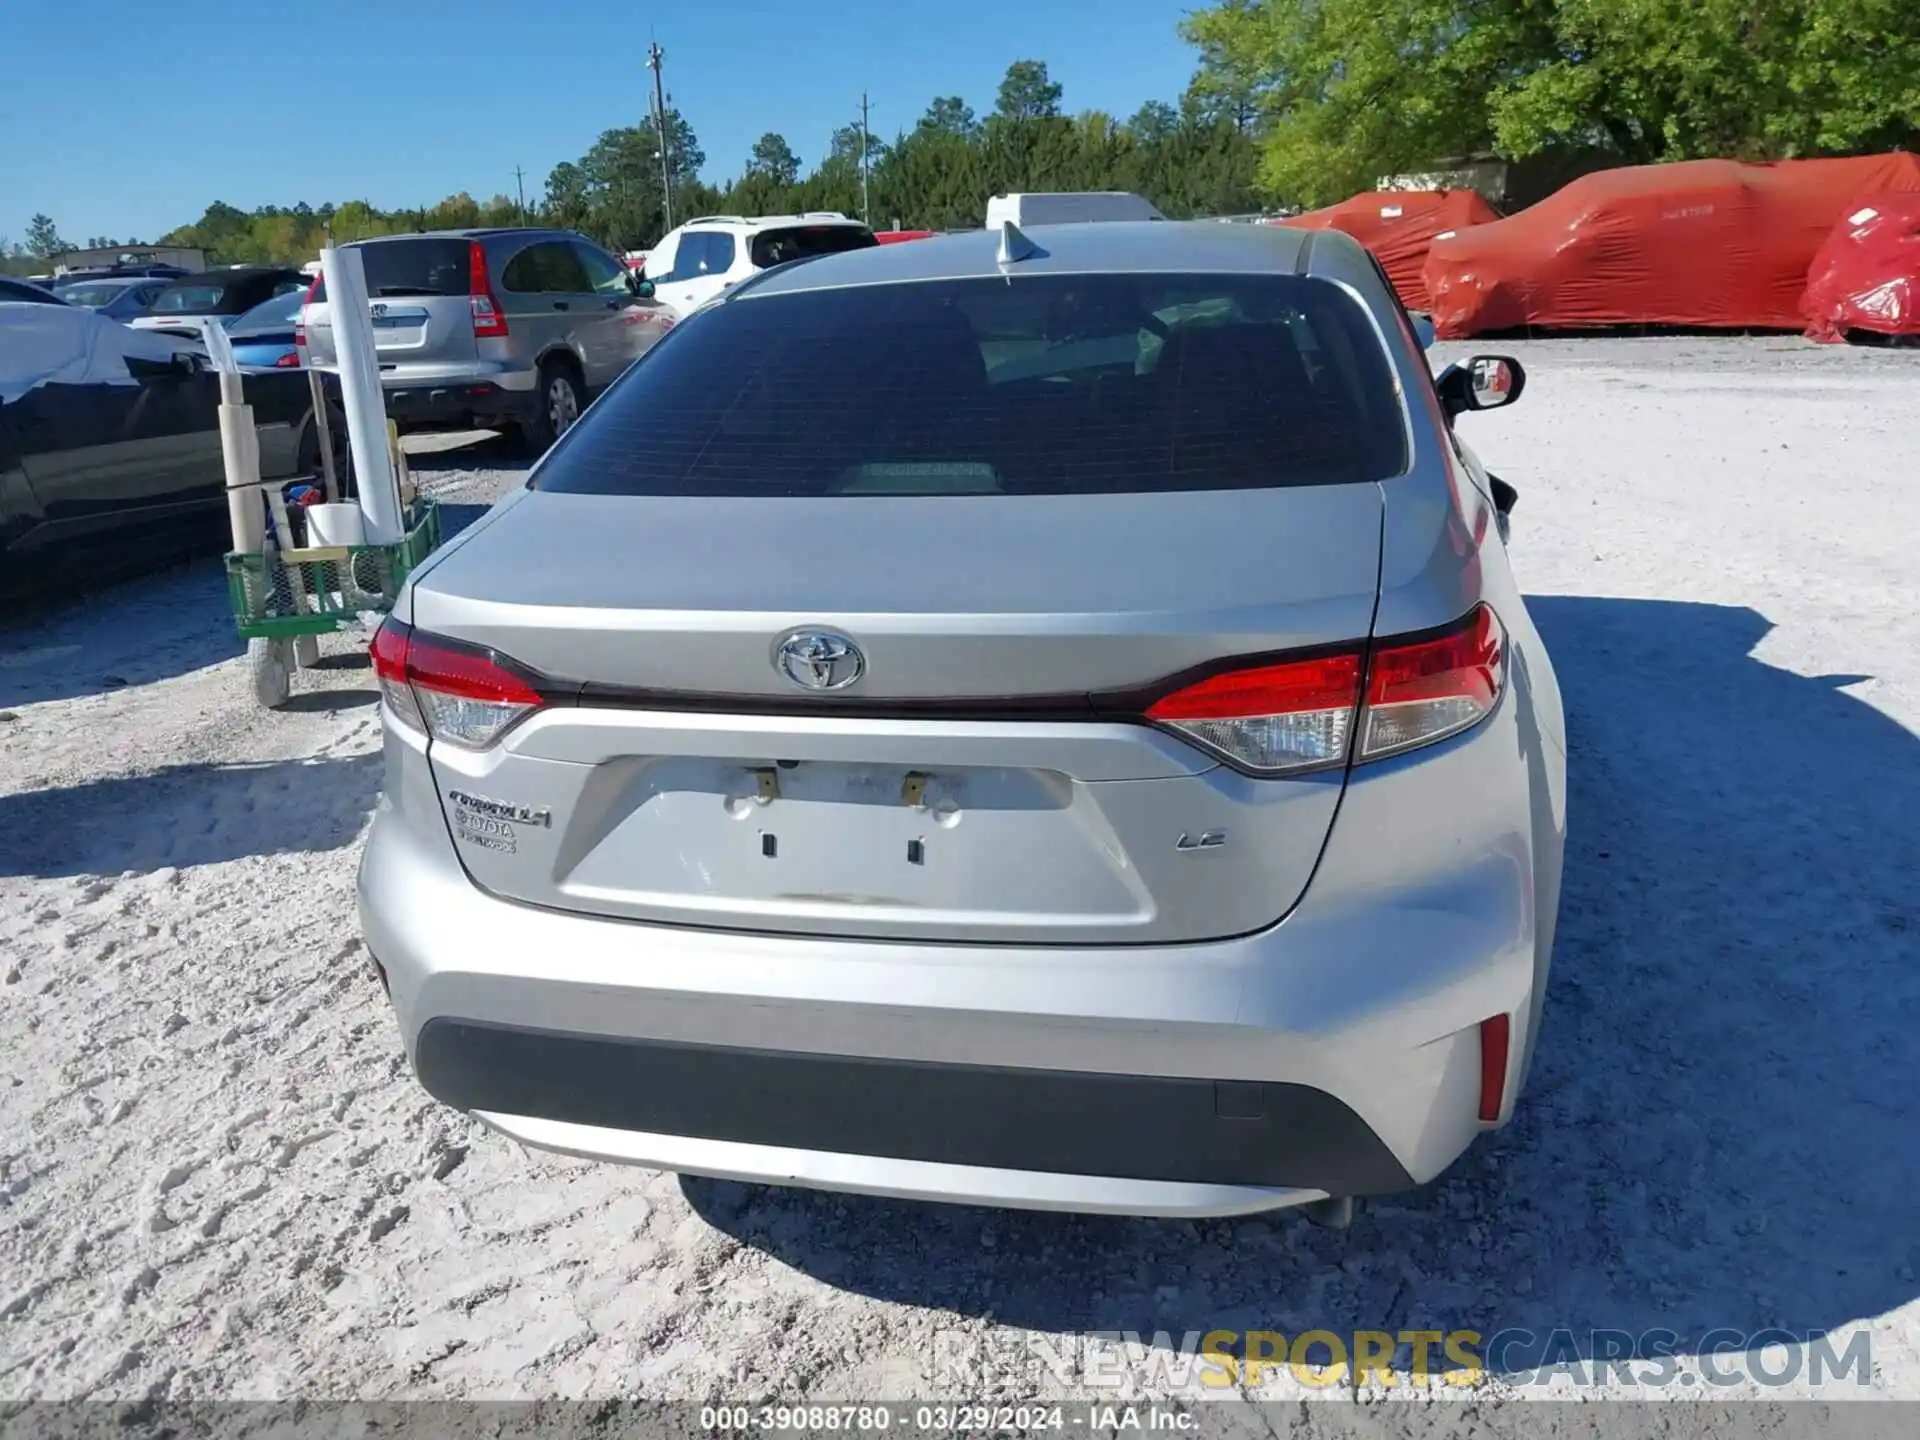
43	238
950	115
1735	79
1028	92
773	160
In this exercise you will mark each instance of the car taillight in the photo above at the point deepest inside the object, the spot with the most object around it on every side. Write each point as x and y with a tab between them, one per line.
290	360
464	696
300	320
1274	719
1425	690
489	320
1302	715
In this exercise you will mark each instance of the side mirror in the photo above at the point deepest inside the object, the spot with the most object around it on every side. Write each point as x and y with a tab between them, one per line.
1486	382
639	284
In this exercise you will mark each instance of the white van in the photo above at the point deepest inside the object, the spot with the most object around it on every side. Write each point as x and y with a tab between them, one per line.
1067	208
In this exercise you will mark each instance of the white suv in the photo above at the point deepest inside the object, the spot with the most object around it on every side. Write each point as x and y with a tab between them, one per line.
712	253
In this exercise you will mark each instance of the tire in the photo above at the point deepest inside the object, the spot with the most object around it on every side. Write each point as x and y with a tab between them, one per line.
306	651
309	458
557	404
270	671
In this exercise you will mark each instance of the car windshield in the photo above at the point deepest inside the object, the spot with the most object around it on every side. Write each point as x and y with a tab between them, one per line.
200	298
92	294
800	242
1041	385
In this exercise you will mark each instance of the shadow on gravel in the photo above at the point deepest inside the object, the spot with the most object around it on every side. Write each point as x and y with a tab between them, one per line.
1719	1132
187	815
169	623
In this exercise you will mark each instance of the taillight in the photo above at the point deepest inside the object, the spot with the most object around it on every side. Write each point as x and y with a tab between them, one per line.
288	361
300	320
1275	719
1495	1035
1301	715
489	320
464	696
1425	690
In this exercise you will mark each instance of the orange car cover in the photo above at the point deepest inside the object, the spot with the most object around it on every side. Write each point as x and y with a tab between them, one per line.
1867	275
1710	243
1398	226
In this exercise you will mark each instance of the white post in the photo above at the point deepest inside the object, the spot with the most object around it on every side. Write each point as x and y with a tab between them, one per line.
350	312
323	430
239	446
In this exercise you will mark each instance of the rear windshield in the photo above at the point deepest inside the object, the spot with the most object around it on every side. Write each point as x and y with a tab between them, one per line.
1038	385
414	267
200	298
280	310
800	242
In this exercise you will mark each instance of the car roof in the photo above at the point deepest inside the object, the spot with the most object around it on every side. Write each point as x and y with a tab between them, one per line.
238	272
479	232
766	222
1111	246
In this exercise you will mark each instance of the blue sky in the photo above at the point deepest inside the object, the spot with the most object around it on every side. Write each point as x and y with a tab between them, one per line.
127	117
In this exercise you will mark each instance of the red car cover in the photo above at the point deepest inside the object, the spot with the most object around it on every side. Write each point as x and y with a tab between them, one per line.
1712	243
1867	275
1398	226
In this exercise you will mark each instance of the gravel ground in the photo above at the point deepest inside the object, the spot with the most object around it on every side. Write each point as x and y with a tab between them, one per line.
217	1178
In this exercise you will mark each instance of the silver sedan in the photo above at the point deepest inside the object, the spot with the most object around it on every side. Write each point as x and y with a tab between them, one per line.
1031	719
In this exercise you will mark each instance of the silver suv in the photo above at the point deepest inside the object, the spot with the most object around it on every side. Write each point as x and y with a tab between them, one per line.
501	329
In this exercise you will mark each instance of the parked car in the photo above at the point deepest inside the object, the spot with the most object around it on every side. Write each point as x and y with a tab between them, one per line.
706	256
215	294
863	756
130	270
116	297
264	336
507	329
110	454
21	292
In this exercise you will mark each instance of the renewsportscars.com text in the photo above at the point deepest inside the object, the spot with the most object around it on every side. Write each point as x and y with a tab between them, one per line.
1408	1359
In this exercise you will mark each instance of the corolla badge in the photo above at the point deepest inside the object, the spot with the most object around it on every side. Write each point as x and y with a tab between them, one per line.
819	660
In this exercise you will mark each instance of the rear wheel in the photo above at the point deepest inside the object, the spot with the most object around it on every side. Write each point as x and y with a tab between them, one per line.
557	407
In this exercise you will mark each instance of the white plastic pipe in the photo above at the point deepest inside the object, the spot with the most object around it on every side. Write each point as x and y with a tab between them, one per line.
350	312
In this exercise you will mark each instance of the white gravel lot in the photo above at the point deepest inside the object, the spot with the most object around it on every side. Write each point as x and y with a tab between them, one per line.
218	1178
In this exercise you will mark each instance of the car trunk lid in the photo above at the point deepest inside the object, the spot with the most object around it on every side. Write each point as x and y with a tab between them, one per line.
985	778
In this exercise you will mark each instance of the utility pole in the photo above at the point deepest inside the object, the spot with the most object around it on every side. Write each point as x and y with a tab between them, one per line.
520	189
866	217
654	56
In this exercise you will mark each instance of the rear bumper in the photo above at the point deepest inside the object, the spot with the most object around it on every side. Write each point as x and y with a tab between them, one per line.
456	405
1334	1053
1244	1134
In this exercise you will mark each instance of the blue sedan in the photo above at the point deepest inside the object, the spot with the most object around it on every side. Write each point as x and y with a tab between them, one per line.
263	336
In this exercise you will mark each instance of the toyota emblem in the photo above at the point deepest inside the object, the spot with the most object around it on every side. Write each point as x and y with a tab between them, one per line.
819	660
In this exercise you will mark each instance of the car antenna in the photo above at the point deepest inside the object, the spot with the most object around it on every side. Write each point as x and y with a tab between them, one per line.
1015	244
